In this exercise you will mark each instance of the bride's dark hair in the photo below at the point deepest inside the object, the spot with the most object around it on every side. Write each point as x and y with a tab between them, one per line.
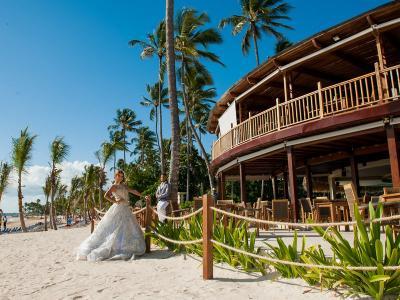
119	171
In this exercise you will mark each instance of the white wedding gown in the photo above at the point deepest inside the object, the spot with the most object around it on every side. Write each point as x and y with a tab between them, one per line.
118	234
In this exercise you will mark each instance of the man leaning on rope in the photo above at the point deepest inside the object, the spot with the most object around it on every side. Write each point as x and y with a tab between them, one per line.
162	194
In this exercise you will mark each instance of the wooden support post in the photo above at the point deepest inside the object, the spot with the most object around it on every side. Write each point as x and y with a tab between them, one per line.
309	182
292	183
285	87
354	174
278	118
393	144
379	82
148	218
243	190
274	187
290	83
207	236
321	100
240	112
382	64
285	185
222	187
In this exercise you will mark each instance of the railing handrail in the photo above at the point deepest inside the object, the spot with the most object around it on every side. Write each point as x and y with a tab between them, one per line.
299	116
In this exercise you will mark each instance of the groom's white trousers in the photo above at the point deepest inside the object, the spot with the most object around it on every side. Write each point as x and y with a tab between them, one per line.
162	210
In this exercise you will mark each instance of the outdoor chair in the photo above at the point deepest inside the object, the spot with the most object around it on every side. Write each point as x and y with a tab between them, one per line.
352	199
307	210
280	210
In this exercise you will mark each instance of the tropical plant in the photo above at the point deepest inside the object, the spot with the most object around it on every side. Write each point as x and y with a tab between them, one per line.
282	45
144	144
5	170
158	97
46	191
103	155
173	101
21	156
156	45
125	121
258	16
59	151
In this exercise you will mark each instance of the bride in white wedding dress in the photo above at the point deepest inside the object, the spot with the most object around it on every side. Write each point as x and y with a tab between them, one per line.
118	234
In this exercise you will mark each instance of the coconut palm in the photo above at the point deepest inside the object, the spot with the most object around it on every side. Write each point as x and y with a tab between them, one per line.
117	142
5	170
125	122
21	156
59	151
144	143
46	191
155	45
173	101
258	16
192	42
155	101
89	186
103	155
282	45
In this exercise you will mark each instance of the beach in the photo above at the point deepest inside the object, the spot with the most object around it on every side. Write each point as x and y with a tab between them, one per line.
41	265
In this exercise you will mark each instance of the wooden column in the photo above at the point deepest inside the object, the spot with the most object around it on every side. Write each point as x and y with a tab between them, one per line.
309	182
290	85
393	144
382	65
354	174
285	87
148	218
222	187
292	182
274	187
243	191
207	236
285	185
240	112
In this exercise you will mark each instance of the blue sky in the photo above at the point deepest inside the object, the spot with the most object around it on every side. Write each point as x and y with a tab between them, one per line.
65	66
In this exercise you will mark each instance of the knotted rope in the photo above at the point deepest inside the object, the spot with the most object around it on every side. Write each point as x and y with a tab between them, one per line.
179	218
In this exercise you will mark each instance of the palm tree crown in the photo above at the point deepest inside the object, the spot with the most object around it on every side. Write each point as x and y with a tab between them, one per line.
22	150
258	16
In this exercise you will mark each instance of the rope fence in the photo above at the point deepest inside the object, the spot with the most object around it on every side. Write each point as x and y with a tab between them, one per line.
185	217
139	211
199	241
302	225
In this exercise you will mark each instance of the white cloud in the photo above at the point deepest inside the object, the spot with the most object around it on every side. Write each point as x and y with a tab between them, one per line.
33	181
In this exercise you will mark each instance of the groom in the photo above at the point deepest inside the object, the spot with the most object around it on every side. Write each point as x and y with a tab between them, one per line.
162	194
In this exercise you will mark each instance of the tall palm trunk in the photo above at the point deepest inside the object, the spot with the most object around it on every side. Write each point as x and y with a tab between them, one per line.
175	137
101	190
85	208
115	159
160	80
20	197
123	132
53	194
46	207
255	44
188	137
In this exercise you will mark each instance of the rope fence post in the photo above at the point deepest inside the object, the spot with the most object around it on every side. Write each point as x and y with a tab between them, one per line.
207	236
148	217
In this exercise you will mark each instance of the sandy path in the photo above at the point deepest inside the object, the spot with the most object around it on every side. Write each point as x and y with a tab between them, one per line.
41	265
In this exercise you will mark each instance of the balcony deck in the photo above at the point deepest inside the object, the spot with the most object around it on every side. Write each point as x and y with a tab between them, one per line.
373	89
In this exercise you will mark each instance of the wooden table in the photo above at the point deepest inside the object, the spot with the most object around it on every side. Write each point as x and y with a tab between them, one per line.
334	208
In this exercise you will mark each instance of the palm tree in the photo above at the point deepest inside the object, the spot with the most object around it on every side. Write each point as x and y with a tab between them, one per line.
90	184
282	45
192	42
21	156
117	142
173	101
155	45
258	16
144	143
155	101
125	122
46	191
103	155
59	150
5	170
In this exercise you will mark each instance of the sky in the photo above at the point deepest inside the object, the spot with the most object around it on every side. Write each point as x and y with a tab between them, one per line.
66	67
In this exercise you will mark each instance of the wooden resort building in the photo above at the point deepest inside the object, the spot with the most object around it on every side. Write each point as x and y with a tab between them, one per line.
327	107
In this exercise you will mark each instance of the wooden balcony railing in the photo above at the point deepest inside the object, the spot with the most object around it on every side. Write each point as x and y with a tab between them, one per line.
370	89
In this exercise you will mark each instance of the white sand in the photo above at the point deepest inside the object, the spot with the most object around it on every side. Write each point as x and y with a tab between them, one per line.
41	265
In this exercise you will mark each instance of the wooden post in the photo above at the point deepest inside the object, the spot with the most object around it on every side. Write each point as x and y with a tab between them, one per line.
393	144
382	63
321	100
354	174
292	182
290	83
278	121
207	235
285	90
379	82
274	187
148	217
309	182
243	191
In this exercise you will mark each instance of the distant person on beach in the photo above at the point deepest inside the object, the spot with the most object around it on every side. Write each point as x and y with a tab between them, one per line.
4	222
162	195
118	234
1	218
